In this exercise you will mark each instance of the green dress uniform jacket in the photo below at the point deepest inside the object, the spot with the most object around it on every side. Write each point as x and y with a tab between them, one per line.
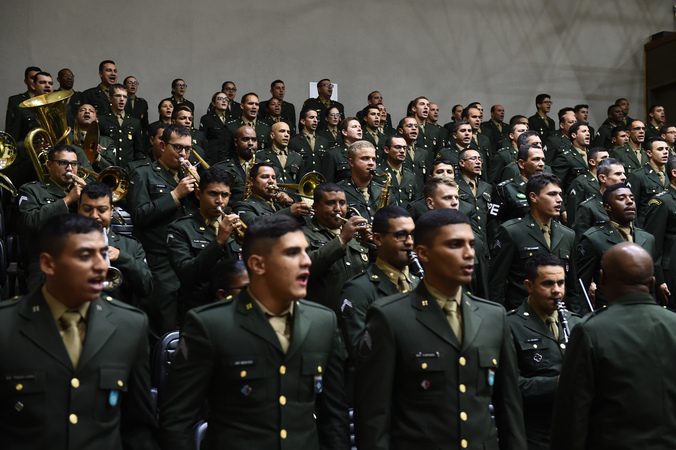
98	98
420	164
259	397
137	280
193	252
312	159
139	111
645	184
216	134
511	201
496	136
183	102
516	241
104	403
537	123
291	172
320	107
335	165
254	207
237	178
382	139
199	144
288	113
407	191
594	243
651	130
262	132
481	204
627	157
13	108
416	387
429	138
128	137
539	356
590	213
583	187
366	209
569	165
502	158
336	140
332	265
603	136
617	387
660	221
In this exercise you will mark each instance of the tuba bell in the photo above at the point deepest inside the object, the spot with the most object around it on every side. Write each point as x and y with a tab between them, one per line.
306	186
7	157
50	110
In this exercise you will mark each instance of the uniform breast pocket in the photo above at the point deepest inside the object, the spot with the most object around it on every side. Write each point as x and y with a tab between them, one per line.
533	358
109	131
425	375
577	171
528	251
246	385
564	255
489	362
112	384
158	190
343	168
312	376
22	399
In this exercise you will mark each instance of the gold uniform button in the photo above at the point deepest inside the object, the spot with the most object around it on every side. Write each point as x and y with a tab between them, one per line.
463	416
72	419
75	383
462	361
424	366
282	400
319	369
495	362
463	443
462	388
242	374
282	370
282	434
120	383
19	386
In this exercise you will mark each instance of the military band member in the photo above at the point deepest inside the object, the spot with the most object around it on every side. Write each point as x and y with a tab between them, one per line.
136	106
429	138
122	128
335	165
239	165
269	363
125	253
25	119
473	190
473	114
288	111
183	115
506	155
287	163
586	185
619	136
461	140
178	88
496	128
160	193
197	243
308	143
212	125
371	123
229	277
249	106
442	356
330	132
99	96
75	363
570	164
539	121
650	179
668	133
540	340
511	169
603	135
632	155
323	100
656	118
66	80
403	180
418	160
441	168
15	100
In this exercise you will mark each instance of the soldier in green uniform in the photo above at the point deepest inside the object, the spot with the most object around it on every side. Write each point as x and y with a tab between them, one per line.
85	116
124	252
15	100
582	115
461	140
99	96
239	165
40	200
182	115
505	163
66	81
657	118
440	355
249	118
308	143
559	141
650	179
273	114
278	91
540	338
269	363
361	191
618	201
403	180
212	125
474	191
473	115
266	199
158	196
585	185
335	165
323	100
74	362
632	155
571	163
335	253
440	168
164	109
330	131
287	163
122	128
624	104
234	109
197	243
595	407
603	135
418	160
376	98
539	121
24	119
370	132
136	106
178	88
538	232
496	128
429	138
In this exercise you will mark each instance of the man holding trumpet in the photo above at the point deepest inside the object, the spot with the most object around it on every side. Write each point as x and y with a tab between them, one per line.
40	200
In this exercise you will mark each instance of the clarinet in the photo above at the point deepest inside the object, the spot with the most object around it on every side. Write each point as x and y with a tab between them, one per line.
564	320
416	263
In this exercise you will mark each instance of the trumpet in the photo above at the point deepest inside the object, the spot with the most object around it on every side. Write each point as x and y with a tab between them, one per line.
364	233
188	170
238	232
113	276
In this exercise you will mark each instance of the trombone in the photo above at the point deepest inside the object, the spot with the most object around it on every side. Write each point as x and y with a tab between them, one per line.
305	187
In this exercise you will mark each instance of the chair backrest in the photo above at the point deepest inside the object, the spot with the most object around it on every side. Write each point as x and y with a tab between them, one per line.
162	357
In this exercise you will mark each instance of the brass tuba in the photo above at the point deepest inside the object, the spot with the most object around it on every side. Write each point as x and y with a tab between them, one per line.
50	110
7	157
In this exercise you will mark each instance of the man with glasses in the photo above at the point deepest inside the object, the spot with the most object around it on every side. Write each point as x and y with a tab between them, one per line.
323	101
136	106
124	129
66	81
161	192
403	180
539	121
40	200
632	155
418	160
473	190
668	133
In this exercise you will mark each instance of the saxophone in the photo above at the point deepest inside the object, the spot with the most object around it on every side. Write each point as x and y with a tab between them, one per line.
384	198
247	183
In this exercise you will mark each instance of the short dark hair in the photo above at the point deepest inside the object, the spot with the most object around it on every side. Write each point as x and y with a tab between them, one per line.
539	181
608	193
320	82
262	234
524	152
617	130
617	102
30	69
402	122
321	188
671	167
59	148
223	275
438	161
226	82
593	153
665	128
44	74
574	128
465	111
104	62
157	127
517	118
213	175
179	108
388	142
653	107
55	230
342	126
116	87
381	219
523	138
327	112
159	105
648	144
370	96
272	85
257	167
459	123
577	108
541	98
427	226
304	112
180	130
365	111
611	107
96	190
175	82
127	78
244	97
563	112
531	268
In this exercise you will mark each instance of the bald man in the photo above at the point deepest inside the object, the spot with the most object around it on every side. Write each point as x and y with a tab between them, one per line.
287	163
617	388
241	162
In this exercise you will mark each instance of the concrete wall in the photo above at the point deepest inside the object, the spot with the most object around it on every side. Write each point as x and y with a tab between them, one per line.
507	51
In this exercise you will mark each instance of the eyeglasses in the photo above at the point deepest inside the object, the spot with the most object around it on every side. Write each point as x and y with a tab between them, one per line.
180	148
548	102
473	158
181	85
67	75
132	83
329	85
400	235
334	115
220	99
234	89
64	163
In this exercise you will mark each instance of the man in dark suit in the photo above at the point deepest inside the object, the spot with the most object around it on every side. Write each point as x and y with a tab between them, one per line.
617	387
74	364
432	360
267	362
